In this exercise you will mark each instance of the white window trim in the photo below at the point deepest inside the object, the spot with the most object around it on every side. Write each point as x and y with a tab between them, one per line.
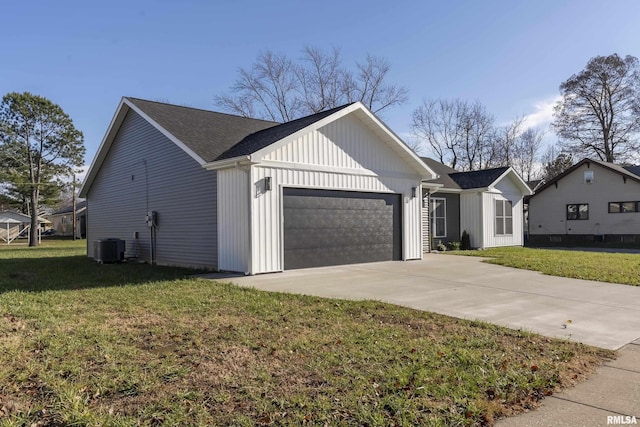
433	217
503	217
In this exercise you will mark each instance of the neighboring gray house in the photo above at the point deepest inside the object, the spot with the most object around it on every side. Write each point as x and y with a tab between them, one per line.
487	203
591	202
62	220
197	188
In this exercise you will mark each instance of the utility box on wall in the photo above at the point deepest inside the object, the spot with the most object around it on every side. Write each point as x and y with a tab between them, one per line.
108	250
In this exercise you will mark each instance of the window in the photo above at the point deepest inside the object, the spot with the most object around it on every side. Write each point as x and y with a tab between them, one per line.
588	177
504	218
624	207
439	217
577	211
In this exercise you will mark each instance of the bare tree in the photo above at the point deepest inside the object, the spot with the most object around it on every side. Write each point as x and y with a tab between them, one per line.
281	89
370	86
456	132
506	140
526	153
599	113
478	134
269	90
321	79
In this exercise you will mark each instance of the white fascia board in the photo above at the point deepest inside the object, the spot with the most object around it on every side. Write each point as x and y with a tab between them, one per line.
166	133
103	149
228	163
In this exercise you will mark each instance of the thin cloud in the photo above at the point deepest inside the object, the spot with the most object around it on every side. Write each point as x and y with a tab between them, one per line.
542	114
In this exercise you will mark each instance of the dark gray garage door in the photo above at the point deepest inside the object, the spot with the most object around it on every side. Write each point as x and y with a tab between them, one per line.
323	227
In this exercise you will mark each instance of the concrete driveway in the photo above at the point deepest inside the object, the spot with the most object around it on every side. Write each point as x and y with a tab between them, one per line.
601	314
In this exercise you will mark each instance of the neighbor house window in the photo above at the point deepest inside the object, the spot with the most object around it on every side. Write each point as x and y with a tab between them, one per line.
577	211
439	217
504	217
624	207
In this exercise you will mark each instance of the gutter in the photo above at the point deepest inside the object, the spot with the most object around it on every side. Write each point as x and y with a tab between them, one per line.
229	163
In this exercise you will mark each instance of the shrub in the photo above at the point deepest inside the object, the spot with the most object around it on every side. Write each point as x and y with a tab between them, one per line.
465	241
441	246
454	246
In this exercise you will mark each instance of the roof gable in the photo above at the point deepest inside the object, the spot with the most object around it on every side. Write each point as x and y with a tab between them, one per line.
264	138
622	171
451	179
366	117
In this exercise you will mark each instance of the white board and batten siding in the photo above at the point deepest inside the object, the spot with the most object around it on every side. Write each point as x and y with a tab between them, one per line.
233	220
478	215
337	156
471	217
145	171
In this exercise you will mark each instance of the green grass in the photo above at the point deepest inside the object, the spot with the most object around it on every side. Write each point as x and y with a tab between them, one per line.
600	266
130	344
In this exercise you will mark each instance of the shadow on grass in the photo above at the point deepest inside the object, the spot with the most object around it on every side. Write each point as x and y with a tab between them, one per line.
35	274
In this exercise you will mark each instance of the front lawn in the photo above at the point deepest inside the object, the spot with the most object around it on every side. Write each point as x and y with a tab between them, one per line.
130	344
600	266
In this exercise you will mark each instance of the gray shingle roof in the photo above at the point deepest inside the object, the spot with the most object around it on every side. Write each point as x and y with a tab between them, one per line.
451	178
69	209
633	169
478	179
442	170
217	136
206	133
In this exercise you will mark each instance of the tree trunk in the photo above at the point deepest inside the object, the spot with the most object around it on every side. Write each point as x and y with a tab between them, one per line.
33	235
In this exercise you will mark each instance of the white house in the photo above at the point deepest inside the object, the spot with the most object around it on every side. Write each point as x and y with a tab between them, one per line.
197	188
487	204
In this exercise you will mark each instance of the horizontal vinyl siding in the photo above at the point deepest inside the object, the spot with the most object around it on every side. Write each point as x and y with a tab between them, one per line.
145	171
266	222
426	219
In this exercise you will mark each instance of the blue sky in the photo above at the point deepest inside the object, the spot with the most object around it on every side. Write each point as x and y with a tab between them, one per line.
510	55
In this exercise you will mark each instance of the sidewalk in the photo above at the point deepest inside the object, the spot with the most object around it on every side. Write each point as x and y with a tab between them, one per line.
610	397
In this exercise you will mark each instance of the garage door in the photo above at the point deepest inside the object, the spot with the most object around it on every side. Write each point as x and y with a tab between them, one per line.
324	227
